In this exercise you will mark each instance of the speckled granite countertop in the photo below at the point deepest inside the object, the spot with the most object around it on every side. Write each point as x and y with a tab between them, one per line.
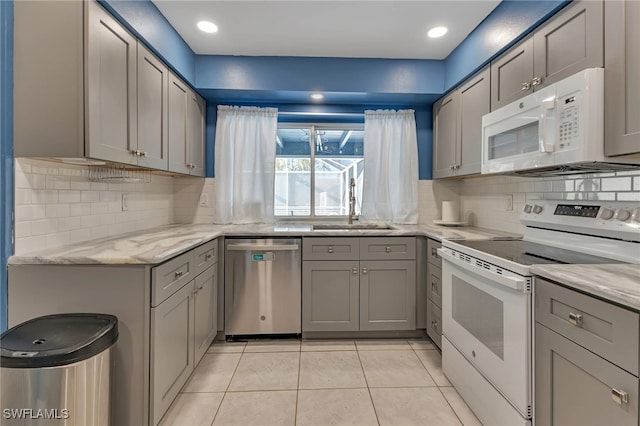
156	245
619	283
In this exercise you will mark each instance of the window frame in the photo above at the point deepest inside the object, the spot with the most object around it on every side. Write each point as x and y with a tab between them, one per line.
313	126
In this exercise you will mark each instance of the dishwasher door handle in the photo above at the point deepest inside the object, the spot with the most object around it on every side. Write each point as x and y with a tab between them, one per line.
263	247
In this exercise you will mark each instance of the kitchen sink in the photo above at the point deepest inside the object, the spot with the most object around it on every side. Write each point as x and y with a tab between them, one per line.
347	226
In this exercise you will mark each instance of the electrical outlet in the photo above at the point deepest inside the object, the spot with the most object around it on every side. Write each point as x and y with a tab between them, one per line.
204	200
508	203
125	202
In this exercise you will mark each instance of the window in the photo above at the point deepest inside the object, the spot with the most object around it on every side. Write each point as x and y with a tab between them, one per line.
314	168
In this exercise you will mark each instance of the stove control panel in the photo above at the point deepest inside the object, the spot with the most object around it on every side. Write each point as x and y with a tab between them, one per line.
615	219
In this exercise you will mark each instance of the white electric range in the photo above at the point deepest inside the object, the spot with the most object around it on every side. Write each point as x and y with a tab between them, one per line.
487	301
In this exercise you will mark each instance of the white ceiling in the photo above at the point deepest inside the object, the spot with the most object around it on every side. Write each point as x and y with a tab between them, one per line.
326	28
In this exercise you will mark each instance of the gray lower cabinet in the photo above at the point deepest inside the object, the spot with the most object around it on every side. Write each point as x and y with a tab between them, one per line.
363	293
330	295
586	359
621	77
167	317
434	292
388	295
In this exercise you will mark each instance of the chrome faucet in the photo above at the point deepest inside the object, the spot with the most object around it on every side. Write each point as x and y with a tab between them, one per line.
352	201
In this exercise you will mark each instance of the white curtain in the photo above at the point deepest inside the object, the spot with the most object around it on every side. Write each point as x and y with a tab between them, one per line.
245	148
390	190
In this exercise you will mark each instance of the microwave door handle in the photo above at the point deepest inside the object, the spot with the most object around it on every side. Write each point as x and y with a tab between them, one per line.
546	106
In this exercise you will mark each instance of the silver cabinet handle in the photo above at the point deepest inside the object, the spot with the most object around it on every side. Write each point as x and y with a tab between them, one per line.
354	270
330	249
526	86
434	252
364	270
208	256
387	249
536	81
200	288
451	167
179	274
144	153
434	288
575	319
619	396
434	325
457	166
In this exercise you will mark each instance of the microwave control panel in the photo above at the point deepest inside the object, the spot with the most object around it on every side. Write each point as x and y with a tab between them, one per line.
568	120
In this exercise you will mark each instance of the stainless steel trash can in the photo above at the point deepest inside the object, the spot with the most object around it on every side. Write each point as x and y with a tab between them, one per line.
55	370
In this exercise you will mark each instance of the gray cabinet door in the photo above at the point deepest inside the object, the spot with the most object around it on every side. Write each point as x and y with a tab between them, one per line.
197	112
445	124
153	83
205	312
474	97
330	296
111	108
179	103
388	295
434	323
511	74
621	78
171	349
569	42
574	387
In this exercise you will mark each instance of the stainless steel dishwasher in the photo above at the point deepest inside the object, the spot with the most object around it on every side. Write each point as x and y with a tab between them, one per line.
262	286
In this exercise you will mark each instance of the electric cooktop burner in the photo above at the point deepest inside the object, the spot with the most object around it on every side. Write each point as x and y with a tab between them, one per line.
528	253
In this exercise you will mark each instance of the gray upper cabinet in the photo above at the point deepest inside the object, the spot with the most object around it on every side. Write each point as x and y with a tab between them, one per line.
106	98
569	42
186	129
153	124
457	127
572	40
622	81
111	94
511	74
445	121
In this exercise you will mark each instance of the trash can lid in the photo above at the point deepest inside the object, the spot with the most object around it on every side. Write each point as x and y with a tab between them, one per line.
56	340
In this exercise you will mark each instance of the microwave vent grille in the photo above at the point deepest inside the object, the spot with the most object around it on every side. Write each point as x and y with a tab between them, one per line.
577	168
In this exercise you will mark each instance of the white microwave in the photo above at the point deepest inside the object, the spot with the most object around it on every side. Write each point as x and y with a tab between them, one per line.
556	130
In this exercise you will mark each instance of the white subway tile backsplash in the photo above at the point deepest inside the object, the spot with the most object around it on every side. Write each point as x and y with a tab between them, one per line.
629	196
616	184
56	204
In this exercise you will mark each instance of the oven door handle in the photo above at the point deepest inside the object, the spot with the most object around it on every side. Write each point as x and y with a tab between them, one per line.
512	283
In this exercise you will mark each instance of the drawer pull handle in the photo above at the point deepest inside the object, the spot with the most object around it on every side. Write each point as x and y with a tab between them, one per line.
575	319
207	256
434	252
194	291
526	86
434	325
354	270
434	288
365	270
620	397
387	249
536	81
179	274
330	249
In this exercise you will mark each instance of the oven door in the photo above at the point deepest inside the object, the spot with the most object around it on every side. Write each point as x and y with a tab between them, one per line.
486	314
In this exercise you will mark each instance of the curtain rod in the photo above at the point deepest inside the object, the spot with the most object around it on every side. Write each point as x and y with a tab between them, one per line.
328	114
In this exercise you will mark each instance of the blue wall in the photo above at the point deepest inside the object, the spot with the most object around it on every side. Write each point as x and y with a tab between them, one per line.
6	150
509	22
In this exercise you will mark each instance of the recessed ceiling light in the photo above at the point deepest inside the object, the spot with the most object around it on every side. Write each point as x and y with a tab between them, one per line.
317	96
207	27
437	32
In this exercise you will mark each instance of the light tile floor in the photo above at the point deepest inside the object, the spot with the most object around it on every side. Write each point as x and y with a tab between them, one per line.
320	383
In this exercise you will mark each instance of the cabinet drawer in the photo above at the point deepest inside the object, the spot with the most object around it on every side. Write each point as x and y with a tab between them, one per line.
432	254
603	328
434	323
387	248
331	248
205	256
434	285
170	276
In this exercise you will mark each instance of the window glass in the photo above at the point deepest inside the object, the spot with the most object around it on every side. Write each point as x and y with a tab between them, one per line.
318	161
